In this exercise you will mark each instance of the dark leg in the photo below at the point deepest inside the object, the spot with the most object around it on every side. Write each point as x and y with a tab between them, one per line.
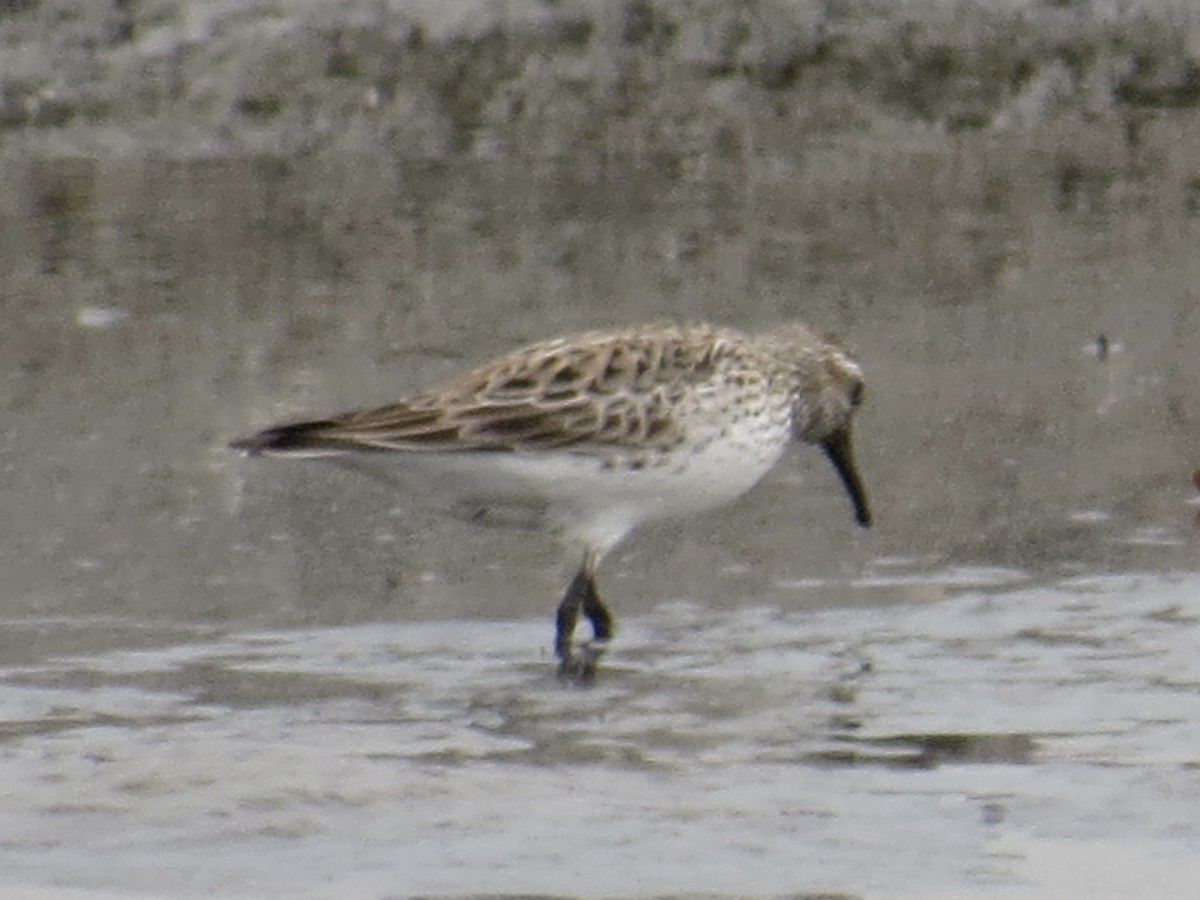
580	667
597	613
568	614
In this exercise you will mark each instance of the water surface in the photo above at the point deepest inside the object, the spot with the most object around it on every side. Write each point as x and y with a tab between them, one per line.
257	680
1008	741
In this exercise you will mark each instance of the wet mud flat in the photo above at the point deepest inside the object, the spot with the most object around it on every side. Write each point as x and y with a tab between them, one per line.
222	680
266	241
1019	740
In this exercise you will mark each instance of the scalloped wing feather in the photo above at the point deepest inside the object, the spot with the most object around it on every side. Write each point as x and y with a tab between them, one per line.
595	392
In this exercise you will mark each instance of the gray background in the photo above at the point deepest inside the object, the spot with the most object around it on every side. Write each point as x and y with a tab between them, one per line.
215	216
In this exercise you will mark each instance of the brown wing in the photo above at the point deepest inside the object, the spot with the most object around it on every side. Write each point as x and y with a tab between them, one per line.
587	393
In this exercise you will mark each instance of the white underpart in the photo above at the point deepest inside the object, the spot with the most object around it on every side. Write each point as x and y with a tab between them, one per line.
590	501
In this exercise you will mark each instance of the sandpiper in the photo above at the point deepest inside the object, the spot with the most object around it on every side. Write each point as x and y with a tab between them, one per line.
591	435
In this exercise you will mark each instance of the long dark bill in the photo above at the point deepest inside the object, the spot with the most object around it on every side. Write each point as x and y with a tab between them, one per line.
840	451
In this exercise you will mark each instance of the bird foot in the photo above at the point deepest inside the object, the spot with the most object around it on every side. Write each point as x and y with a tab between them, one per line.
578	667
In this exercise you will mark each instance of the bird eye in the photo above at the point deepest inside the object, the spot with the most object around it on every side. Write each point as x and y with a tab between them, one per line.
856	394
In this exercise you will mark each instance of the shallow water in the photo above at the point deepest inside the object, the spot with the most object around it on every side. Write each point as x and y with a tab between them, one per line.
220	677
1024	740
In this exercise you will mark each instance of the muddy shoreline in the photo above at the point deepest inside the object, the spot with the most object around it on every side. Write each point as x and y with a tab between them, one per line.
690	84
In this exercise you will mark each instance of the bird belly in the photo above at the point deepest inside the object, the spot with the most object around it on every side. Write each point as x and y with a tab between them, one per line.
590	499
